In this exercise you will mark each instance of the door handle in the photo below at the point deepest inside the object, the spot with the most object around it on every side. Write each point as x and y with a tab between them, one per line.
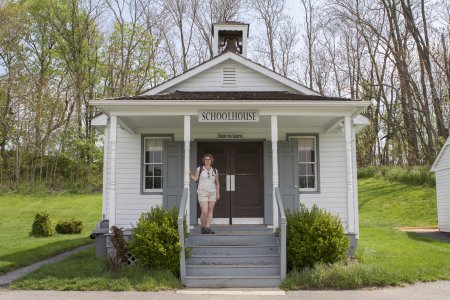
233	187
228	179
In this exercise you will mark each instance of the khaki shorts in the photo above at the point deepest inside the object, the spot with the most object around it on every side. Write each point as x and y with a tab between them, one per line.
203	195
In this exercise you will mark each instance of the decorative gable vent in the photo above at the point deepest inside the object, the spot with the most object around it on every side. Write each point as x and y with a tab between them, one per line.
229	76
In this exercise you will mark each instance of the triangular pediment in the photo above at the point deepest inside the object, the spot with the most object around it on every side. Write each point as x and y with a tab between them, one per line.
230	72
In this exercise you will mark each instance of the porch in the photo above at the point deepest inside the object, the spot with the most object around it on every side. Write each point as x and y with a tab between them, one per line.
271	129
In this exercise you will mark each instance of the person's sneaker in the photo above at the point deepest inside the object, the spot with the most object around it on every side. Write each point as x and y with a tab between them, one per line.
203	230
209	230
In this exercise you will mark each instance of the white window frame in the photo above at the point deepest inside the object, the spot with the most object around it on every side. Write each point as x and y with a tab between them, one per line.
316	162
145	138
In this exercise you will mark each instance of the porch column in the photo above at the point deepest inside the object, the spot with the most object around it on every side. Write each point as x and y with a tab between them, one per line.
105	172
187	145
112	180
350	180
355	185
274	129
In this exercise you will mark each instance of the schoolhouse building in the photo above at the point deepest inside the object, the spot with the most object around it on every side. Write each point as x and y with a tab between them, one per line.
269	136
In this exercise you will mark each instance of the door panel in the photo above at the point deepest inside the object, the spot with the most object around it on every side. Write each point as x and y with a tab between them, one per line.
244	161
248	199
221	162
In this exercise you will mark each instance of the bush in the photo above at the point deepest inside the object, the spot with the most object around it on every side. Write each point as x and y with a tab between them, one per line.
72	226
314	236
154	240
119	257
341	276
412	175
42	225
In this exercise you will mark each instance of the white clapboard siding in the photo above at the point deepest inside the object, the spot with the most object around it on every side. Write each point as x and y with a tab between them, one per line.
333	176
213	80
443	196
129	201
444	161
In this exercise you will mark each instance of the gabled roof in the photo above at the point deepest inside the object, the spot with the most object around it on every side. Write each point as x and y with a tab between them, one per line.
440	155
237	58
213	96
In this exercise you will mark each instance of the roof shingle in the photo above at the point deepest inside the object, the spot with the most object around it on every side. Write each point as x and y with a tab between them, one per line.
217	96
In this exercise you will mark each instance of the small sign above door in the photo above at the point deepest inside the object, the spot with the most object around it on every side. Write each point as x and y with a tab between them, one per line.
228	116
230	135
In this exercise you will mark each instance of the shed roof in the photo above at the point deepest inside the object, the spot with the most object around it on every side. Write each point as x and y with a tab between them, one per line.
445	148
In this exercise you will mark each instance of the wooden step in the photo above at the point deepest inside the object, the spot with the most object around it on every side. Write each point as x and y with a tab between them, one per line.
233	270
231	240
261	259
232	281
233	250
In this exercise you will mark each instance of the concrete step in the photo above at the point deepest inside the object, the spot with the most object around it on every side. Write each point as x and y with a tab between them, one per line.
230	240
232	281
251	259
233	270
234	250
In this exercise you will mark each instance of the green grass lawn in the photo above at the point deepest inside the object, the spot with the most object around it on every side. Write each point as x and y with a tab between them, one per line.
17	215
386	255
84	272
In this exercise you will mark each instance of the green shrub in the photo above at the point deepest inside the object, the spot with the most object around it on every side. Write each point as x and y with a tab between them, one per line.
154	240
42	225
119	258
72	226
412	175
367	172
314	236
341	276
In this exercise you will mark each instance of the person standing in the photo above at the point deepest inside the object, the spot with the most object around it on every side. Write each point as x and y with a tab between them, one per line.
208	191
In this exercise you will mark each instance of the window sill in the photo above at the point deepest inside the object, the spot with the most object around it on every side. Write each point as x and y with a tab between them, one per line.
308	191
152	192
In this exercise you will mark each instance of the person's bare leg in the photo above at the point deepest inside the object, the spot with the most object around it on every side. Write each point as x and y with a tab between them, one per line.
210	213
204	214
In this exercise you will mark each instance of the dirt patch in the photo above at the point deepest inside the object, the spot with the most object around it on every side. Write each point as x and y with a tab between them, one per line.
418	229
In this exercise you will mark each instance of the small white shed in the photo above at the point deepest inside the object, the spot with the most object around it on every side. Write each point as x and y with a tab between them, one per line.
441	167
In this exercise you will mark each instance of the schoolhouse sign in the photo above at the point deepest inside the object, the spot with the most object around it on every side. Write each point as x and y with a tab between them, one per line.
228	116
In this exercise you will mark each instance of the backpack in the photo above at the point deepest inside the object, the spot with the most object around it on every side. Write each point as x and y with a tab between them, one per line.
201	169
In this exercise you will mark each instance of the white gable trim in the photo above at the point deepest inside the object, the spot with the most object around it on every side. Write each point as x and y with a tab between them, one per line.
100	122
237	58
434	167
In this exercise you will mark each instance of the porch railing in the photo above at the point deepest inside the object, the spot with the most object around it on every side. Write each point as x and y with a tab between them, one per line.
181	215
283	223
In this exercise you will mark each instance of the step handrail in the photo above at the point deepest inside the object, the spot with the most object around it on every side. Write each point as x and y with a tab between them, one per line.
181	214
283	223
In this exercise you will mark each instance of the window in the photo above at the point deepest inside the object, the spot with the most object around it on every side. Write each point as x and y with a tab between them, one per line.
307	163
153	163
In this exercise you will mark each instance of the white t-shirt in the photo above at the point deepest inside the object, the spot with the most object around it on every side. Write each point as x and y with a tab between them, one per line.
205	182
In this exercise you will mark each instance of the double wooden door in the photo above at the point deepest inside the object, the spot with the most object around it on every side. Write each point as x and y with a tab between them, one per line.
241	177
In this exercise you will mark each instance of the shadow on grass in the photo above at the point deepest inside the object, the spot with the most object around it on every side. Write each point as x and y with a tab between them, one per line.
430	236
84	272
26	257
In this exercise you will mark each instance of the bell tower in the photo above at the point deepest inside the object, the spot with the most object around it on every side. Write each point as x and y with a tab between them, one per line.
230	37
